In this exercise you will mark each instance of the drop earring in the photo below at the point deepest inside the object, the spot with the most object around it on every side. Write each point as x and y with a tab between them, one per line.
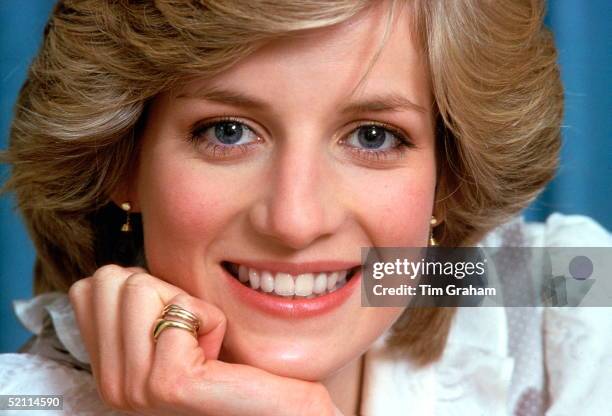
432	241
126	227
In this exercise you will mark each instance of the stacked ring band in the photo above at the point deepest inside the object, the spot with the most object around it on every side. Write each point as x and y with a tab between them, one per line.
179	312
186	320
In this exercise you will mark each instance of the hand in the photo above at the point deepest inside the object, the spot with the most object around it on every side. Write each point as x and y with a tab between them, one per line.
116	309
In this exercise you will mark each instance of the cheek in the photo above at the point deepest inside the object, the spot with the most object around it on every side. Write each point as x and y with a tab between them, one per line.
182	214
396	209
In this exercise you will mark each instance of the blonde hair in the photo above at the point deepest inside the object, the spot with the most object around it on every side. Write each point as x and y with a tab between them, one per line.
75	131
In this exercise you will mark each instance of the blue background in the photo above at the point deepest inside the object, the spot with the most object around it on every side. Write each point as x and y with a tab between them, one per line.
582	186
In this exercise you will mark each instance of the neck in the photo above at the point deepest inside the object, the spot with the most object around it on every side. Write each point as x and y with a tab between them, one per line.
344	387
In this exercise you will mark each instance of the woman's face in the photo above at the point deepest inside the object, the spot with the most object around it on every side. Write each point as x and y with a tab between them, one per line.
273	164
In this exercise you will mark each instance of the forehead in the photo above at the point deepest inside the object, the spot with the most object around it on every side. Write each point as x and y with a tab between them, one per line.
327	64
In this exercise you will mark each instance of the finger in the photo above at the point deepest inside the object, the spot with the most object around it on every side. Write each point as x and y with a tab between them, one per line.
136	269
263	393
142	302
80	296
219	388
107	285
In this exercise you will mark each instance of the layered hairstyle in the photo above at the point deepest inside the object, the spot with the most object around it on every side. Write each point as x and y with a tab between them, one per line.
493	72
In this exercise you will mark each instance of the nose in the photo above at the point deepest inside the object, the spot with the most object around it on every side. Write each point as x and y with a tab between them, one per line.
300	203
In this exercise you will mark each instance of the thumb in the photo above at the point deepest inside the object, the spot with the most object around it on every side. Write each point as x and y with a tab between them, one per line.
210	336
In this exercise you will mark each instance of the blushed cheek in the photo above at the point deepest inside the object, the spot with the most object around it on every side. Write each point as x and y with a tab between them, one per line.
397	214
182	213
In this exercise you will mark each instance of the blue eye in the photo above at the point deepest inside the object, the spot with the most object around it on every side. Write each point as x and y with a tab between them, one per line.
373	137
376	138
226	138
224	133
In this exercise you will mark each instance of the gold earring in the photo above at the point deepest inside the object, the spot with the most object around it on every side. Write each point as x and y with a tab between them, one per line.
127	227
432	241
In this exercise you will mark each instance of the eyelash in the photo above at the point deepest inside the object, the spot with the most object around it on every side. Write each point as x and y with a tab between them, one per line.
396	152
213	149
223	151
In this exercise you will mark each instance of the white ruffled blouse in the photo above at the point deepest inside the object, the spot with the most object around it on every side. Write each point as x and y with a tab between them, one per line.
498	361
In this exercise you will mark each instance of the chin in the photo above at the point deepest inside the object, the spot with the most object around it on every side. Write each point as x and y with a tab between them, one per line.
285	358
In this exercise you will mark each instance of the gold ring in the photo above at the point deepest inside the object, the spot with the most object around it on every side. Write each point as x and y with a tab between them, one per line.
175	307
162	324
185	315
180	314
186	320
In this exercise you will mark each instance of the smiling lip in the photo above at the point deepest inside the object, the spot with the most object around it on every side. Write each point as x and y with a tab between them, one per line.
297	268
289	307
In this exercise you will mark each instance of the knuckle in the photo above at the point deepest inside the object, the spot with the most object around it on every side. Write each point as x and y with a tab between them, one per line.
136	269
160	390
136	399
183	299
78	289
108	270
140	285
165	389
109	275
169	387
110	393
139	281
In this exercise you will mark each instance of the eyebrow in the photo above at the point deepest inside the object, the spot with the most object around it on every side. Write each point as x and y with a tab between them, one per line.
392	102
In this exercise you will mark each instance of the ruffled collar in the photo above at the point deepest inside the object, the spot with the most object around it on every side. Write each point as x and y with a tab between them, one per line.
51	318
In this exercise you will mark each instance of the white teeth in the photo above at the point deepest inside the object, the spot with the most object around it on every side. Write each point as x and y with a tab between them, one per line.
283	284
267	282
254	278
320	283
342	276
303	284
243	274
332	278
